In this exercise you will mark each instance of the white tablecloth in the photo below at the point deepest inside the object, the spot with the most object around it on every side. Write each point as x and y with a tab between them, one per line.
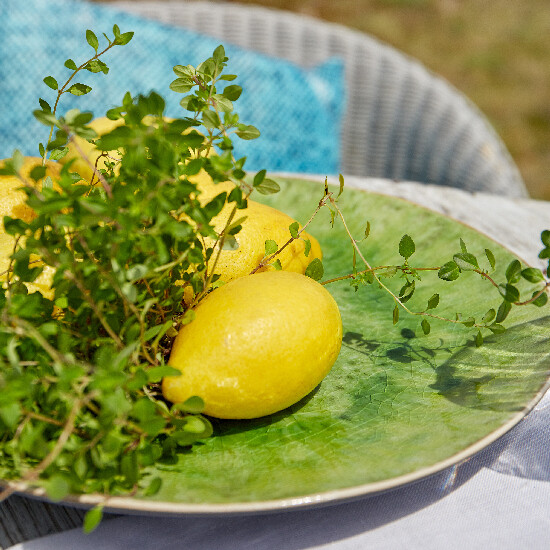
499	499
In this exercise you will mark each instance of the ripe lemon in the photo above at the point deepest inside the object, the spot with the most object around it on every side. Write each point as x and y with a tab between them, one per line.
262	223
86	155
12	203
256	346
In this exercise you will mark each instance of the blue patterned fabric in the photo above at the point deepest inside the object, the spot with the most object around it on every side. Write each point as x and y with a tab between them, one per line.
298	111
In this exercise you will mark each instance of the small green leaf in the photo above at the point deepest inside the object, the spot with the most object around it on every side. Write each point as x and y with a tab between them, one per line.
542	300
247	132
496	328
188	317
479	339
192	405
503	311
509	292
79	89
91	38
96	66
389	272
513	271
425	326
545	237
230	243
92	518
181	85
315	269
307	248
154	487
124	38
277	265
10	414
395	314
222	103
57	154
51	82
57	487
532	275
341	182
490	258
294	228
45	118
406	247
433	302
469	322
367	230
38	172
466	261
270	247
407	290
70	64
44	105
14	226
449	271
489	316
259	178
463	246
194	425
156	374
268	187
232	92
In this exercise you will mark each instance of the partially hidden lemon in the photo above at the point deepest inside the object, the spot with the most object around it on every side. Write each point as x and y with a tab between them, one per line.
261	223
256	346
13	204
85	155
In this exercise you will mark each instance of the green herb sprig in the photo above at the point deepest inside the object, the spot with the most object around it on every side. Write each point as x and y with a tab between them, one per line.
80	404
462	261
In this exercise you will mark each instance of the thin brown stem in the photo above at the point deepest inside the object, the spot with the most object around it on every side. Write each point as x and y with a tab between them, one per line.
265	261
382	285
535	296
95	171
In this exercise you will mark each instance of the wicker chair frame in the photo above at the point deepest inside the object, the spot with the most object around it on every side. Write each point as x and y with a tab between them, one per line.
402	122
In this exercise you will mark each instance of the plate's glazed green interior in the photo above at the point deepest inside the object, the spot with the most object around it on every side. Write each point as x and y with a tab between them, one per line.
397	405
396	401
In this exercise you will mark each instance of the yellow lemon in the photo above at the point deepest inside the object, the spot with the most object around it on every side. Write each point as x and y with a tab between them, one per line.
12	203
256	346
86	155
262	223
12	199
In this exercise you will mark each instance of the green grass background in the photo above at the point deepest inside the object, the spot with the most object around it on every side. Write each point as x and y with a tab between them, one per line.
496	52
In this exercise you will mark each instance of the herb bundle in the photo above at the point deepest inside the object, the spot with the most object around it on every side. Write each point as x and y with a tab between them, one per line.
80	406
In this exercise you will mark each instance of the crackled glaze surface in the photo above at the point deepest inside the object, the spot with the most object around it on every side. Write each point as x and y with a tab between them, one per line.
397	403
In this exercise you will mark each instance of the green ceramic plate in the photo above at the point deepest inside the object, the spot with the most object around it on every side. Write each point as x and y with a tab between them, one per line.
397	405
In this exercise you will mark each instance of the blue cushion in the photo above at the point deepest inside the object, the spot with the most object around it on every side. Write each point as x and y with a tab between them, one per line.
298	111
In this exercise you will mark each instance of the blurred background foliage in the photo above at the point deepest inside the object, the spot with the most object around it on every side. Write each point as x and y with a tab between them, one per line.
496	52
